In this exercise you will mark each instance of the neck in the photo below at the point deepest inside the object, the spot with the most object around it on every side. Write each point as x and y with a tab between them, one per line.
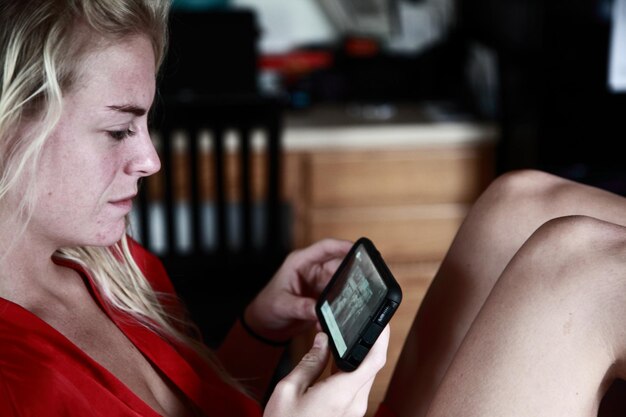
25	264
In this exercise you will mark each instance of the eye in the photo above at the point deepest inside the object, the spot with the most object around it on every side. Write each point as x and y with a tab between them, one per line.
120	135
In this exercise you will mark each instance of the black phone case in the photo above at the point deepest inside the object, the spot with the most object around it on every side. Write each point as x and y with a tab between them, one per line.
376	322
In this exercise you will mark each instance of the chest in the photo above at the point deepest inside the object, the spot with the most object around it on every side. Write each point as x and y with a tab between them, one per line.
86	326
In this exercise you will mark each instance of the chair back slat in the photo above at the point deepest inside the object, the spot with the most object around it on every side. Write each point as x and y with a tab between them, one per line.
207	214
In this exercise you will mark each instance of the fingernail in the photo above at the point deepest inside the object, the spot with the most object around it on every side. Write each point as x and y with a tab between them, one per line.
319	340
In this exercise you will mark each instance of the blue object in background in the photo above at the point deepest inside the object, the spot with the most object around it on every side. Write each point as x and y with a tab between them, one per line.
199	4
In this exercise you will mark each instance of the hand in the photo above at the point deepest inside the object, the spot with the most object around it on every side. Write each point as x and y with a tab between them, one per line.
286	306
343	394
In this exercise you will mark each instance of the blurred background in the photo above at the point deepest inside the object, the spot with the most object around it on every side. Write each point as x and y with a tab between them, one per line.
283	122
539	70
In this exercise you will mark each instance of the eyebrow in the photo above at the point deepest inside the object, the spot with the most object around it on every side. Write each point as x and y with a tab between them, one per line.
129	108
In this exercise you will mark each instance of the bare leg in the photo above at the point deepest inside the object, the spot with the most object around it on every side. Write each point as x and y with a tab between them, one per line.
551	334
505	216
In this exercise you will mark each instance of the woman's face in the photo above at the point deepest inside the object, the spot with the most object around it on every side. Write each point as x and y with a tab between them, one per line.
101	147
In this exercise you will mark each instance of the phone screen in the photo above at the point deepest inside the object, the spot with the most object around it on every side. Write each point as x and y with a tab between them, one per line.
353	300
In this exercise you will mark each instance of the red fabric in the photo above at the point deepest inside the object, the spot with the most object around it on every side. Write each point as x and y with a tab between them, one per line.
43	374
384	411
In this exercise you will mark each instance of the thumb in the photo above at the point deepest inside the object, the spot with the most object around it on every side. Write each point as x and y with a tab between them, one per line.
311	365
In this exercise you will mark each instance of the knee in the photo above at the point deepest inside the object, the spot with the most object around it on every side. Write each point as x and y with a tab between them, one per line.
575	248
524	186
582	266
580	233
517	202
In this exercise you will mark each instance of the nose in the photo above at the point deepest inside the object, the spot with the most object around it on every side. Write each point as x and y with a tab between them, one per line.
144	160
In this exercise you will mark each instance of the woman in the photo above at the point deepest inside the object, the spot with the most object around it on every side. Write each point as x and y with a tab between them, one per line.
89	324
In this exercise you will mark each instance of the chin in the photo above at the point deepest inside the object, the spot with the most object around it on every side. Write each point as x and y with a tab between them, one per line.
110	236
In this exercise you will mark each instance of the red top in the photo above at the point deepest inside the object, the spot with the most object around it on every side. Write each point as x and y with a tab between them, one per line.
42	373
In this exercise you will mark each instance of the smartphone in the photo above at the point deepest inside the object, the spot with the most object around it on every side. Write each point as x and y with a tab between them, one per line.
357	304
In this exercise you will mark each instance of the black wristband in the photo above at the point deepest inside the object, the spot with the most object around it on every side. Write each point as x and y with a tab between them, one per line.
260	338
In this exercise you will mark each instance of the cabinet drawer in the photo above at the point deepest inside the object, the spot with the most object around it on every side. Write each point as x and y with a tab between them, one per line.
407	233
451	175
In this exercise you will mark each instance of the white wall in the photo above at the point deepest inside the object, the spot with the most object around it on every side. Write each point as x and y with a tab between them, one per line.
286	24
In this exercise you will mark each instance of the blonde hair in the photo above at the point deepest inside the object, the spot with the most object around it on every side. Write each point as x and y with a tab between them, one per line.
41	46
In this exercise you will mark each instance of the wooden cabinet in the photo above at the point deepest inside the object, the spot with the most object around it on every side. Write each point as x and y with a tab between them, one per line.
407	187
410	202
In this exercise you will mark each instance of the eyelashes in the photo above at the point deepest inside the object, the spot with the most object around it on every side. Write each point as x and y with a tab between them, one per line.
120	135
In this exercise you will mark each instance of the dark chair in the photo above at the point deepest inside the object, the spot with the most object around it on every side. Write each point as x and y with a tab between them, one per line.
214	214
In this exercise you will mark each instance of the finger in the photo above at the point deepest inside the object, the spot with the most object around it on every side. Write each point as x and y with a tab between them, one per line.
377	356
373	362
311	366
361	380
317	271
332	265
322	252
299	308
321	280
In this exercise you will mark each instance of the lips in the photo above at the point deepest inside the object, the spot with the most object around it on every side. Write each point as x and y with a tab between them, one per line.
124	202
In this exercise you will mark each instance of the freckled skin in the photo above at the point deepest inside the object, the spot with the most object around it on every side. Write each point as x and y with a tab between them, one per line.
83	169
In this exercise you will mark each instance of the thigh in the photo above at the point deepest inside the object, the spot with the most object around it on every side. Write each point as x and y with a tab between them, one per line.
502	219
550	336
